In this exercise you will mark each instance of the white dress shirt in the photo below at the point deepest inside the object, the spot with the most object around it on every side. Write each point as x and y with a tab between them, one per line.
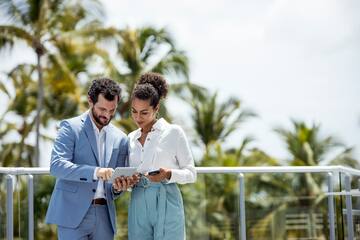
165	146
100	136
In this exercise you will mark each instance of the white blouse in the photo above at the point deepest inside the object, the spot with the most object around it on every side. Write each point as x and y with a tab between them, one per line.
165	146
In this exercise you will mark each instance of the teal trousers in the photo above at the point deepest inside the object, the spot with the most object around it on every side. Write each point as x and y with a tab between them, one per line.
156	212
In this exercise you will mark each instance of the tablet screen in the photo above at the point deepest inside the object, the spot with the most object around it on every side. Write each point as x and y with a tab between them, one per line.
122	171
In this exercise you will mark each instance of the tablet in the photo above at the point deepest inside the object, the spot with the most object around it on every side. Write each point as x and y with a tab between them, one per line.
122	171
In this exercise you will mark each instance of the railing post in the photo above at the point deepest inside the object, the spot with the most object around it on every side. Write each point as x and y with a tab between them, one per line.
357	205
331	208
30	184
9	207
349	217
242	207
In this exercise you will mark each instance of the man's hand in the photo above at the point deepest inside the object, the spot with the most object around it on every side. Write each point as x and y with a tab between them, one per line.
123	183
104	173
164	174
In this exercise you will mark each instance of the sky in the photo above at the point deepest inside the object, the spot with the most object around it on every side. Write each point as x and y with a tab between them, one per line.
285	60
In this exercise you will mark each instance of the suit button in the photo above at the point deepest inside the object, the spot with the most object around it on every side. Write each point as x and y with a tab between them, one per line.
94	190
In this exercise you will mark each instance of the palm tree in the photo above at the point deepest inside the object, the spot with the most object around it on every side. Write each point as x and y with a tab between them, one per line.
308	148
63	92
142	50
40	24
298	192
305	145
215	210
214	121
29	20
25	96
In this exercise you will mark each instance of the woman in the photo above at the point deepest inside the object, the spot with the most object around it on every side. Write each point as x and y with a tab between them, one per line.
156	207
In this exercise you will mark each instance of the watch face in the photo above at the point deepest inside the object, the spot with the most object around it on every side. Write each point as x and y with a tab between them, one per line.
152	173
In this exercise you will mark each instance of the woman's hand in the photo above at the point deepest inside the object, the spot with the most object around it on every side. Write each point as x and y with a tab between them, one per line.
164	174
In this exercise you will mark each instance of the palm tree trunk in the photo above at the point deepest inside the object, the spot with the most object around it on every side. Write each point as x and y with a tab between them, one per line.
22	142
39	104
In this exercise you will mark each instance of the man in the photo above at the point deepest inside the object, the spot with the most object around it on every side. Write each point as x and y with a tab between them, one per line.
85	152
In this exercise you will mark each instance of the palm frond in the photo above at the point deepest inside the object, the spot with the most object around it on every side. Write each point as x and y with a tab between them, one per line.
94	32
189	92
67	76
214	121
175	63
15	11
345	158
9	34
305	144
150	39
4	89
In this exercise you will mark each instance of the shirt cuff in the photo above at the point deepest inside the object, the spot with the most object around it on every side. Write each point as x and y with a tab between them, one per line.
116	192
94	175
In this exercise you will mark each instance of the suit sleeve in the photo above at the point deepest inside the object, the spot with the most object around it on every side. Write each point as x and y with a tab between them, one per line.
61	165
123	161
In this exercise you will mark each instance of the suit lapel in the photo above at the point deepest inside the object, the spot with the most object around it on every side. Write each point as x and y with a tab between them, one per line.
109	145
89	130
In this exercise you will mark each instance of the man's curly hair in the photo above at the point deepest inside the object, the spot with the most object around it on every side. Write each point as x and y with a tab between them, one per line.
105	86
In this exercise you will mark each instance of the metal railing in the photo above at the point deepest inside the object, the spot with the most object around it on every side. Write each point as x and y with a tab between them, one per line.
331	172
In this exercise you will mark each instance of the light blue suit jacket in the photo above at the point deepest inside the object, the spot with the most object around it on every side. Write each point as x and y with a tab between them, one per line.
73	162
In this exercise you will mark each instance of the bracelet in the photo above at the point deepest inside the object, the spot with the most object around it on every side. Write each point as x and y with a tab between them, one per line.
116	191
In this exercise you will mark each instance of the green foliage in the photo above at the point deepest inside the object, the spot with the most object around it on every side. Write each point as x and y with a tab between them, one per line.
69	36
305	144
142	50
214	121
49	90
43	187
294	194
122	204
217	194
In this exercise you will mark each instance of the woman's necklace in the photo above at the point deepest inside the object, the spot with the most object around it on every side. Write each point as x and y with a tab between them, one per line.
145	133
143	138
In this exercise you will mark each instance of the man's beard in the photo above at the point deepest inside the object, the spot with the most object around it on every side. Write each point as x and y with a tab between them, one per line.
97	119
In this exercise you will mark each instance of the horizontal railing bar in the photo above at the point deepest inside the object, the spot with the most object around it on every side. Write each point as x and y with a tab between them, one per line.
279	169
354	192
24	171
349	170
356	212
272	169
